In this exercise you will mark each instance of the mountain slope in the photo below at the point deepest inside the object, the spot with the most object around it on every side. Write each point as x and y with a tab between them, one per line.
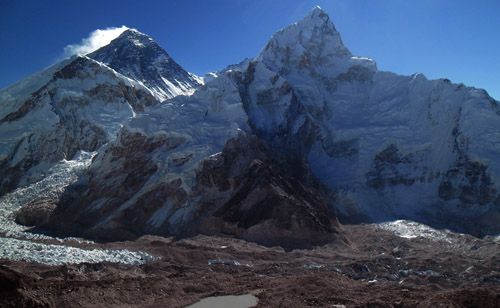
77	105
81	103
393	146
139	57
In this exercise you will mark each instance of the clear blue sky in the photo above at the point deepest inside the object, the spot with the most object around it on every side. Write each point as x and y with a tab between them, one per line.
440	38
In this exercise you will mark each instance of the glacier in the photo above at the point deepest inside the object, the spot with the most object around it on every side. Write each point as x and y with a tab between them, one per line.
18	243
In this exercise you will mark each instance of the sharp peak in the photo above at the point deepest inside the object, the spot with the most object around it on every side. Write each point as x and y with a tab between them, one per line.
317	16
317	11
315	34
133	33
134	37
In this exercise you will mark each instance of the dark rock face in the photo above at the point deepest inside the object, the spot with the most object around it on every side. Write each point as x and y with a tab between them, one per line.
90	202
26	107
240	192
356	74
274	211
389	169
137	56
266	205
469	182
36	213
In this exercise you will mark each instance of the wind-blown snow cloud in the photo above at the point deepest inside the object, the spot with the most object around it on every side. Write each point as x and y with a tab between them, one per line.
94	41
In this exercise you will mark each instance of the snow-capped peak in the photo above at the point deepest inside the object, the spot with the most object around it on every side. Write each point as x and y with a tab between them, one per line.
135	37
137	56
316	17
311	45
96	39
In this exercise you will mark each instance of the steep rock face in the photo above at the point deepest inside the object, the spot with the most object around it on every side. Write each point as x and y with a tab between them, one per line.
139	57
78	105
109	186
264	204
390	146
311	50
238	192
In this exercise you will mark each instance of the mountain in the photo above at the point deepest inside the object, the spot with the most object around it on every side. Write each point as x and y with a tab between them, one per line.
388	146
78	105
81	103
139	57
276	148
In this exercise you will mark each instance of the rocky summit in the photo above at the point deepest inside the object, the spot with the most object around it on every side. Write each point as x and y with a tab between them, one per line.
139	57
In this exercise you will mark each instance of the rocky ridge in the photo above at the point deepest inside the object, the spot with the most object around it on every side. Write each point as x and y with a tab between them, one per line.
81	103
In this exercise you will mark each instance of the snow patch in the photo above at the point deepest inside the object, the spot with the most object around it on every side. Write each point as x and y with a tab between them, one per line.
410	230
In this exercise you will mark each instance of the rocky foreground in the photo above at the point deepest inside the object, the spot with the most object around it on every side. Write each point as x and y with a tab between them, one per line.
376	269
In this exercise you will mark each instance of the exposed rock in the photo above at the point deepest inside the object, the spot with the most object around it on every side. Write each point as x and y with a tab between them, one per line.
36	213
266	205
139	57
80	108
272	211
391	169
238	192
108	186
470	182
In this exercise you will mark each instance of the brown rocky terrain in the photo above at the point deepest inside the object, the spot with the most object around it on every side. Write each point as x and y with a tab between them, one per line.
376	269
241	192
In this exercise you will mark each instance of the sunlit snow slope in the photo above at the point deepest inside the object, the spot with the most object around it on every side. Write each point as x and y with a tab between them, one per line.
139	57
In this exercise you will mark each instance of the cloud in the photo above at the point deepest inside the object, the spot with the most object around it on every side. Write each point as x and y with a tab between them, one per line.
95	40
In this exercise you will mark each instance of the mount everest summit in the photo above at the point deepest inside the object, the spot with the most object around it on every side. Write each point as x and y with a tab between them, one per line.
273	150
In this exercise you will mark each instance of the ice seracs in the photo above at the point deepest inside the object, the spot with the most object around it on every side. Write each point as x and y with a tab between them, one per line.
17	243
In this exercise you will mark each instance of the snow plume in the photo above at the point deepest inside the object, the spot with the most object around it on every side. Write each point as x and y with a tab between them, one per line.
96	39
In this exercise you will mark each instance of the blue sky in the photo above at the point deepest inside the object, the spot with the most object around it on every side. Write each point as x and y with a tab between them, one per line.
456	39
